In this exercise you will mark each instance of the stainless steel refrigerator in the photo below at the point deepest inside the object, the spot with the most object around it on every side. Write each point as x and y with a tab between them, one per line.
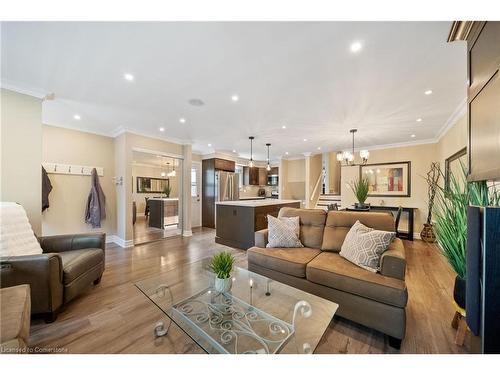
226	186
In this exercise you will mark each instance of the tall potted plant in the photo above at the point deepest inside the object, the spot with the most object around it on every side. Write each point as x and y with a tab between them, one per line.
360	189
427	233
450	213
222	264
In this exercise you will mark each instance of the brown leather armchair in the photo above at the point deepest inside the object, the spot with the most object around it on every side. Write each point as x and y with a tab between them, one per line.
68	265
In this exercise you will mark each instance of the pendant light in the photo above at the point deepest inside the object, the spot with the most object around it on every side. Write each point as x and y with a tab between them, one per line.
348	157
268	165
250	164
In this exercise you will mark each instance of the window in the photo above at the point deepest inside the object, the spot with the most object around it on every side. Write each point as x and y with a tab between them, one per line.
239	170
194	183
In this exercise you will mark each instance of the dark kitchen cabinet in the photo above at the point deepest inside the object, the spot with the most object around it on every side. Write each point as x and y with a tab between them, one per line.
254	176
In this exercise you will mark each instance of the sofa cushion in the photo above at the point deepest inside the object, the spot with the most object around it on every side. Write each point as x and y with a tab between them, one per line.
364	246
289	261
77	262
283	232
331	270
338	224
312	224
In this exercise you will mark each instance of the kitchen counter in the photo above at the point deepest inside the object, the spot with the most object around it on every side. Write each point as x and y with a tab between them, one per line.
258	202
237	221
251	198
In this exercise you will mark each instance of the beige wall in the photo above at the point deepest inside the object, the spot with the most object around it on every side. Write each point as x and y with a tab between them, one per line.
452	141
152	171
68	198
21	153
421	157
294	179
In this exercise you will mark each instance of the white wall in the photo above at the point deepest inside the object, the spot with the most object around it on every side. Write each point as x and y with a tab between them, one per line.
21	154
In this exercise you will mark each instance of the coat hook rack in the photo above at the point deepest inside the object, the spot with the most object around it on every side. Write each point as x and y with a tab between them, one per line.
75	170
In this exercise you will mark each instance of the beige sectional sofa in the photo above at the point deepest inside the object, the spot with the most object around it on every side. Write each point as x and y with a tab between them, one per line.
376	300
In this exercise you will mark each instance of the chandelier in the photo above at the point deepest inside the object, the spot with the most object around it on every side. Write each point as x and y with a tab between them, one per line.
347	157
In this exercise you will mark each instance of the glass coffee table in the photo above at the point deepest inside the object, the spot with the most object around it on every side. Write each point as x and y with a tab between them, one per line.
257	315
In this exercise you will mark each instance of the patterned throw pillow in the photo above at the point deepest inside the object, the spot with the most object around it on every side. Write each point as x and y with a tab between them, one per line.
283	232
364	246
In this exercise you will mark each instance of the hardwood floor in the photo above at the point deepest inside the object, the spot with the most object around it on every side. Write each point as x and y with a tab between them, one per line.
143	233
114	317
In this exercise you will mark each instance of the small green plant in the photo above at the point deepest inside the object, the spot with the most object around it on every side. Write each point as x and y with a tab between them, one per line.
360	189
166	190
222	264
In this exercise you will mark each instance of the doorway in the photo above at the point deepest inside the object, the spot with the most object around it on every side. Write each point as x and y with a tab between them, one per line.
156	196
196	194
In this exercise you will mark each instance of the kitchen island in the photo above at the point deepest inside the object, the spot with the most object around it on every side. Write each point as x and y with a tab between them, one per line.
237	221
163	212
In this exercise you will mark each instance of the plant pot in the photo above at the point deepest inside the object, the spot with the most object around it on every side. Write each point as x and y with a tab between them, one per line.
360	205
223	285
427	234
459	292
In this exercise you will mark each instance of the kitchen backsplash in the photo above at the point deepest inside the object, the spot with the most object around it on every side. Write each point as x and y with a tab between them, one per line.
252	190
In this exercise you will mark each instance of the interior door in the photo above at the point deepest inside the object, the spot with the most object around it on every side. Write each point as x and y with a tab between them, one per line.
196	195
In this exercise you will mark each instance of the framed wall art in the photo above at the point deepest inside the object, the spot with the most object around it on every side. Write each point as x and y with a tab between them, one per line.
387	179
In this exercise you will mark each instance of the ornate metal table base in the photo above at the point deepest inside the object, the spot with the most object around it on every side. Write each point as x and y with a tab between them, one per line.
232	325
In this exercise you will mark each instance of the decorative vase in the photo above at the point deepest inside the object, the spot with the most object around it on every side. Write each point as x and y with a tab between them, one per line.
427	233
459	292
223	285
360	205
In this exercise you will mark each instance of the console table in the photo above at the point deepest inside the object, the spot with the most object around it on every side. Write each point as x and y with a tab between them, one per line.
407	235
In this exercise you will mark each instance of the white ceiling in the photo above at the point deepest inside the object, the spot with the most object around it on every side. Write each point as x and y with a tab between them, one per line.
298	74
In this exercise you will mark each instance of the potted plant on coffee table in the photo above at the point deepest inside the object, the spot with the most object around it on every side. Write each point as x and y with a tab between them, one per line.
360	189
222	264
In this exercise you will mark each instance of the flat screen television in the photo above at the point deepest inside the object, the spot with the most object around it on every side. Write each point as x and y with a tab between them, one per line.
484	132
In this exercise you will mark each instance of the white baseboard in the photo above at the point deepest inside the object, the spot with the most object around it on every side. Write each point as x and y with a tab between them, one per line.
119	241
187	233
416	236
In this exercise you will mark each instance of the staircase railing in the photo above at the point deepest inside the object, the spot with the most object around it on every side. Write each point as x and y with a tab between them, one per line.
316	187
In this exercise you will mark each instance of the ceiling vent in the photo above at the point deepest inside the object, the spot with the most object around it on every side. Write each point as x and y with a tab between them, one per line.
196	102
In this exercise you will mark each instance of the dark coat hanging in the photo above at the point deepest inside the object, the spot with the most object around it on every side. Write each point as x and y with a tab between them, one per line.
46	189
95	211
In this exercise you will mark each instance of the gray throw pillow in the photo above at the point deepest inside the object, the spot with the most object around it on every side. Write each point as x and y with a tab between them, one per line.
283	232
364	246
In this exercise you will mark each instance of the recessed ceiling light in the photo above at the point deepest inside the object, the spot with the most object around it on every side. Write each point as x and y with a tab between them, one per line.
235	98
419	120
161	129
319	148
283	127
356	47
286	153
234	151
413	135
182	120
77	117
209	145
428	92
129	77
305	139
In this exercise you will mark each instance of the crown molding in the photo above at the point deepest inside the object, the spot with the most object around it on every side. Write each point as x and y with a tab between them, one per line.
460	30
459	112
25	90
121	130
